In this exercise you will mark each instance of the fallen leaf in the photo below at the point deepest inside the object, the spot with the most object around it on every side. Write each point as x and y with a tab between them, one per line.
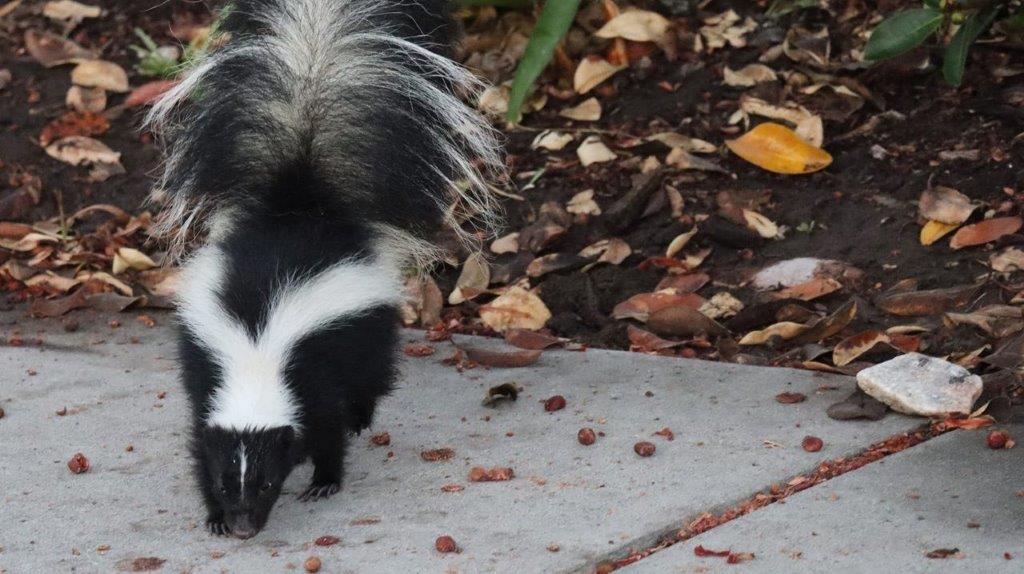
811	130
551	140
583	203
1007	261
437	454
91	100
679	242
646	342
830	325
501	359
554	262
100	74
74	124
859	405
702	552
517	308
613	251
70	11
997	320
496	474
790	398
498	393
148	93
641	306
764	227
945	205
685	283
58	307
678	141
853	347
985	231
506	244
776	148
683	321
790	113
932	231
593	150
591	71
588	110
929	302
749	75
79	150
785	331
638	26
721	306
532	340
806	46
810	290
681	159
472	281
51	50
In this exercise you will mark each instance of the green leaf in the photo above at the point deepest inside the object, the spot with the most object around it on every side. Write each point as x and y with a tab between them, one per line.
496	3
937	4
901	33
956	53
552	25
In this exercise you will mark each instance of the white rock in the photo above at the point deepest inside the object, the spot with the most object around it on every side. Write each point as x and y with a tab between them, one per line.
920	385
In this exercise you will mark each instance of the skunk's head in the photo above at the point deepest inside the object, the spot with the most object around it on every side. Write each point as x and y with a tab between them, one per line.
246	470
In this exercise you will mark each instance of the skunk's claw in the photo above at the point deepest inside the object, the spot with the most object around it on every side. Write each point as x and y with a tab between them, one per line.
320	491
217	526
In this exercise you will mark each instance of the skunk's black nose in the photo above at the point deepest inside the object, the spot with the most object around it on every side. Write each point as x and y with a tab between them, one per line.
242	527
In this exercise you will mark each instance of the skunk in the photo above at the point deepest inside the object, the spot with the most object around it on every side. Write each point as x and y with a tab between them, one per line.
319	150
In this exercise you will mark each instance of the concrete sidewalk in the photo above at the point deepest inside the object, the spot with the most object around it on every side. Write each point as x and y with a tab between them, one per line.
568	508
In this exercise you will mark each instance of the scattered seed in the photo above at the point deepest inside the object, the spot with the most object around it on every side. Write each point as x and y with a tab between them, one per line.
496	474
327	540
446	545
453	488
437	454
78	463
998	440
312	564
555	403
812	443
418	350
790	398
381	439
586	436
667	433
644	448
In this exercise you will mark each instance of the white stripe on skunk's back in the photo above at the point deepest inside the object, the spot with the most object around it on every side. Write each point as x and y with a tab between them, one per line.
253	393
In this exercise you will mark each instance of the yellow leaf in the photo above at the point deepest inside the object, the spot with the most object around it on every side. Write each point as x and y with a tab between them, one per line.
935	230
778	149
517	308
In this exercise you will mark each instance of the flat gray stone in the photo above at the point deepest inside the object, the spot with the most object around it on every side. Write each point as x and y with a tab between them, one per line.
917	384
731	439
950	492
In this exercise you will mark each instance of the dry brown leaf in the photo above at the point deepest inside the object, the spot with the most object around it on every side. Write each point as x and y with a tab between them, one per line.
676	140
637	25
945	205
811	130
725	29
148	93
646	342
683	321
792	114
583	203
613	251
764	227
687	283
510	359
592	71
853	347
682	159
1007	261
70	11
100	74
80	150
932	231
784	331
593	150
517	308
551	140
74	124
126	258
721	306
776	148
929	302
51	50
997	320
829	326
472	281
810	290
554	262
532	340
749	75
588	110
679	242
506	244
985	231
91	100
641	306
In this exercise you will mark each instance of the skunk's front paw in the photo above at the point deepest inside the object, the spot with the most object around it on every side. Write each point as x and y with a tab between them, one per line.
318	491
216	525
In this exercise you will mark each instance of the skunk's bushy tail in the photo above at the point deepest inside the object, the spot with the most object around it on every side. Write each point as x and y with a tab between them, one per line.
354	104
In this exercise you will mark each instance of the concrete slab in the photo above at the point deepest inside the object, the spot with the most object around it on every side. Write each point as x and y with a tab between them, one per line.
950	492
731	439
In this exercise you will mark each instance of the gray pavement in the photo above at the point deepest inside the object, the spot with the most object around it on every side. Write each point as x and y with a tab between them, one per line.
952	492
731	439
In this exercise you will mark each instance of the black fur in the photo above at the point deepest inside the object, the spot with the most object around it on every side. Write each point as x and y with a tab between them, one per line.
300	198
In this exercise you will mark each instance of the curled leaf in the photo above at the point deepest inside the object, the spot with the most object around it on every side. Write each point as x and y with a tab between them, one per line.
592	71
933	231
853	347
985	231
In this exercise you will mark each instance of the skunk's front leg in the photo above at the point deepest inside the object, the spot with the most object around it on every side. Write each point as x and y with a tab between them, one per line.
326	447
215	522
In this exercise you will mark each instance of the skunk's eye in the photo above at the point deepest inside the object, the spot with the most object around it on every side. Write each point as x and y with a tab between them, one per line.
266	486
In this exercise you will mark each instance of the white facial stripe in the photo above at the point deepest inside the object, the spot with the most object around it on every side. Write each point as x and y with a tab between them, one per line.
242	464
253	393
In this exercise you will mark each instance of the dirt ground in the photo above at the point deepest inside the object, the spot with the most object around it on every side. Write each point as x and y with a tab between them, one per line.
911	132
